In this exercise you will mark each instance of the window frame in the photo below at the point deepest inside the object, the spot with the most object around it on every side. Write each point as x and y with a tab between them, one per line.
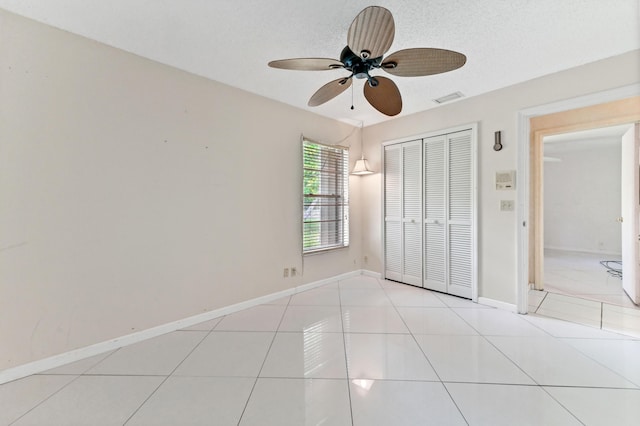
334	217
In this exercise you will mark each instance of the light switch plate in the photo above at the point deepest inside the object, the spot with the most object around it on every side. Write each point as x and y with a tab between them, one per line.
506	205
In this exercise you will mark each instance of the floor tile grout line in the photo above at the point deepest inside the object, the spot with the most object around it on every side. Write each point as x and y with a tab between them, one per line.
416	342
484	336
560	340
346	358
45	399
541	302
578	321
266	355
637	385
206	334
548	333
562	405
509	358
565	319
430	364
83	373
592	387
573	322
542	386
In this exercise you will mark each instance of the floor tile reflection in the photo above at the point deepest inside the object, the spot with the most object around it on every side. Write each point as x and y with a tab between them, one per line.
359	351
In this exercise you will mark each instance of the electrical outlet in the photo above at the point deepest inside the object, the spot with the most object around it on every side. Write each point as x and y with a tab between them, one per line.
366	259
294	271
286	272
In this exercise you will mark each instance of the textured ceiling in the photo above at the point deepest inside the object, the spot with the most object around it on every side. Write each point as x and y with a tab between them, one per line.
231	41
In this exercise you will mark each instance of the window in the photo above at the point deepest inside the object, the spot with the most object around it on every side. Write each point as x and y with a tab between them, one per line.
325	211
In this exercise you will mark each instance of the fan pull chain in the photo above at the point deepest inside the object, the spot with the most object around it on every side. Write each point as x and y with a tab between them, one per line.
352	107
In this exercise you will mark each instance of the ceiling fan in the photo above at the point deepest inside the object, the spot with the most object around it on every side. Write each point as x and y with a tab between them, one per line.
369	38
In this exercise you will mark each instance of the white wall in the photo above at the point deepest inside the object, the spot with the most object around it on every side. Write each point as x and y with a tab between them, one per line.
134	194
493	111
582	197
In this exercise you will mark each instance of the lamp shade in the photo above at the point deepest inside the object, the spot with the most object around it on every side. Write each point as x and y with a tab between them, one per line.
361	168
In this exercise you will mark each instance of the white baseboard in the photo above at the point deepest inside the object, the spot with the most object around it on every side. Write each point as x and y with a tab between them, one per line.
372	274
45	364
325	281
498	304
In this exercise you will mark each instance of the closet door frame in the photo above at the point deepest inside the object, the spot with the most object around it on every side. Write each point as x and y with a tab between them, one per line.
473	127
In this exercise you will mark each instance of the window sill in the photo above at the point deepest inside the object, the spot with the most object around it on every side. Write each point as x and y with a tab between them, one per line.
324	250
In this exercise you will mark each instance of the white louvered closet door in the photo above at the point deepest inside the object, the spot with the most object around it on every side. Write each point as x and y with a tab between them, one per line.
403	212
435	259
393	212
412	213
448	221
460	214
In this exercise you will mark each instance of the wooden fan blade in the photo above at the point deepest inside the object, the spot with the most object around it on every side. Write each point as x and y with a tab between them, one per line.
330	91
307	64
422	61
371	31
385	97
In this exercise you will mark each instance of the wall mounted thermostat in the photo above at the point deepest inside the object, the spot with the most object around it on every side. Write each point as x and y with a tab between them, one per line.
506	180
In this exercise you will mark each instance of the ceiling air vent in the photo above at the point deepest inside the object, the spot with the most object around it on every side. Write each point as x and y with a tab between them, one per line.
450	97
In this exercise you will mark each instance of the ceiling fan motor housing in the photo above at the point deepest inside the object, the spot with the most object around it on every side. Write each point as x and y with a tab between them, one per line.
357	65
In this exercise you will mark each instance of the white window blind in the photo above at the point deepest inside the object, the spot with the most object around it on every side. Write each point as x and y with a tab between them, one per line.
325	211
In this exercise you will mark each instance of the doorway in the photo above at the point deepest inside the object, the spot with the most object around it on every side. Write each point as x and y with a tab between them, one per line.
601	110
582	209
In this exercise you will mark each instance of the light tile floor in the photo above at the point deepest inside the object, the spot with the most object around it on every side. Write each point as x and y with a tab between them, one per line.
582	275
361	351
578	289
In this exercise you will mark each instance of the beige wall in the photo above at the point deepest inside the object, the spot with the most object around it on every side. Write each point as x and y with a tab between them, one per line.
493	111
133	194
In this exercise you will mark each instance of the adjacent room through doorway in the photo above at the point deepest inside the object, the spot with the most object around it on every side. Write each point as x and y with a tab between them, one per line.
582	199
583	191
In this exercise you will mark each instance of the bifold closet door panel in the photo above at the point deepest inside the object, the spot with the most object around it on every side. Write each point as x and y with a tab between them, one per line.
460	208
435	262
393	250
435	248
412	213
429	213
460	261
393	212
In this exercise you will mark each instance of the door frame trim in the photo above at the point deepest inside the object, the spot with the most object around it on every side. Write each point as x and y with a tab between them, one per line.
525	214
